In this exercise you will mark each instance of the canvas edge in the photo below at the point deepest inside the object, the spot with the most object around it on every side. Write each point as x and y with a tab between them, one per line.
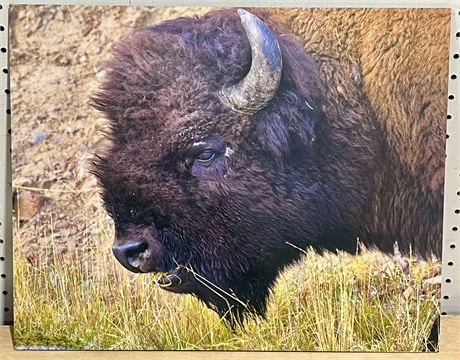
450	303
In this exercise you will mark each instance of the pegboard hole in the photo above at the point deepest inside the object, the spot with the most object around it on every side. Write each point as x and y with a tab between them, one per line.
452	246
3	276
8	111
3	49
446	297
2	28
4	292
450	263
443	313
451	97
1	241
7	91
453	76
448	116
454	228
5	71
6	309
457	211
2	258
456	56
448	281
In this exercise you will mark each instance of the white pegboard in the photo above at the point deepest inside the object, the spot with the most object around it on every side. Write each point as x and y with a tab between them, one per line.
450	302
451	233
6	261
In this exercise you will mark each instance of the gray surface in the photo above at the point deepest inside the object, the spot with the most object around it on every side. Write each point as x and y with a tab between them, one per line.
6	246
452	185
451	274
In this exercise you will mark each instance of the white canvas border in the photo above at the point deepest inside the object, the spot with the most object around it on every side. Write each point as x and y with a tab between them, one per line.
450	303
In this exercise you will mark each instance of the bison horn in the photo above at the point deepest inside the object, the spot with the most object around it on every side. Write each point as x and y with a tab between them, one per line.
261	82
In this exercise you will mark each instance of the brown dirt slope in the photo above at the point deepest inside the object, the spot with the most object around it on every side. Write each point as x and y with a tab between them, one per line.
57	55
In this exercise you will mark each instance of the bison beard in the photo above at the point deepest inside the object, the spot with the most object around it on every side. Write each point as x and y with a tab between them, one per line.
233	147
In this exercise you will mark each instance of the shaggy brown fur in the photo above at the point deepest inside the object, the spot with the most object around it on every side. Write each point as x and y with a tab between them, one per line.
338	153
403	56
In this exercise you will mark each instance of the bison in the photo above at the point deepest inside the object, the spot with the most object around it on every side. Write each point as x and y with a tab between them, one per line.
240	137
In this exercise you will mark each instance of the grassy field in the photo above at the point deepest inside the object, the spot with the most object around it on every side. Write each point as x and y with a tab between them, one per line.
323	303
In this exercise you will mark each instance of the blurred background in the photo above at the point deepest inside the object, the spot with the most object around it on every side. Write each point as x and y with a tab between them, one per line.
57	56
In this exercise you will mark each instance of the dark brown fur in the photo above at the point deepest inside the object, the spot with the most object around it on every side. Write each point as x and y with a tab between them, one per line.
314	168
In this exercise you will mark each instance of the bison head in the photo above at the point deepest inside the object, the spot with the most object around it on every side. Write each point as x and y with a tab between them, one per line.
221	165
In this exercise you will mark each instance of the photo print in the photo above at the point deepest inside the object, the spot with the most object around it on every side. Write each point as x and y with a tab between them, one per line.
191	178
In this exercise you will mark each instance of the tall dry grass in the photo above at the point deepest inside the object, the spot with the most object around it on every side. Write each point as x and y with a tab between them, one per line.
322	303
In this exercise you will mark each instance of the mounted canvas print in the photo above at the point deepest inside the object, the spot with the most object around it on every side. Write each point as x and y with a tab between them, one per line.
228	179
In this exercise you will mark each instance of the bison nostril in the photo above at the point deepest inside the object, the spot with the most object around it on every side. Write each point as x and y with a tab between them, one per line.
127	253
136	248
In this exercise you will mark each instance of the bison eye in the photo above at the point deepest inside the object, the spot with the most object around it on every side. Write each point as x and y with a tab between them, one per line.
205	159
204	153
206	156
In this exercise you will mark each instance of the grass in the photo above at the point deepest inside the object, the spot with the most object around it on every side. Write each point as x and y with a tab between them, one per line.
323	303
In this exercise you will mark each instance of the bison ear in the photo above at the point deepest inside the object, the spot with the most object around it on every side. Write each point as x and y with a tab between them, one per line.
260	84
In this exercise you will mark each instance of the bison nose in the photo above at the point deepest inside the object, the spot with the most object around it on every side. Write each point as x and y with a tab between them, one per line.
132	254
